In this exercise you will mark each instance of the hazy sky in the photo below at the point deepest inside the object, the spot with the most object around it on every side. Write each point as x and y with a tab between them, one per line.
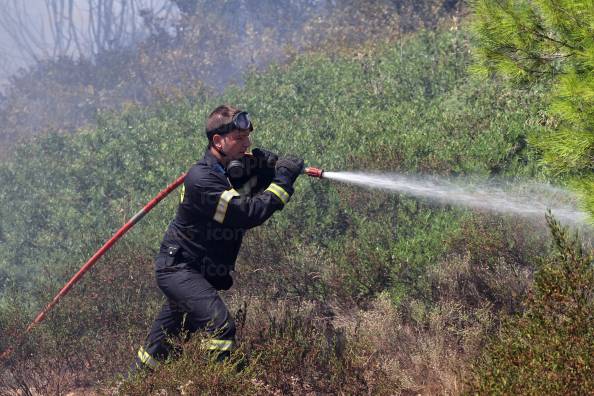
37	21
10	58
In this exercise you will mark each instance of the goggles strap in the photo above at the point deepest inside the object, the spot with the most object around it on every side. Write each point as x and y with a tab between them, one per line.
234	124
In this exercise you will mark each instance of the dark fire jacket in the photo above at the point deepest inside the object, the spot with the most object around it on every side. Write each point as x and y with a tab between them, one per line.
213	215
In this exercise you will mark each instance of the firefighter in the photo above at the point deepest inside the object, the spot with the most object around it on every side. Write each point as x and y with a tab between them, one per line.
224	194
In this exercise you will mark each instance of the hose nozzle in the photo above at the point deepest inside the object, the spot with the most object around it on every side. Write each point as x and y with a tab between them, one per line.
314	172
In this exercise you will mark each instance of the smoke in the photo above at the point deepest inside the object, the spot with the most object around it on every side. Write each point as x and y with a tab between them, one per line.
37	30
530	200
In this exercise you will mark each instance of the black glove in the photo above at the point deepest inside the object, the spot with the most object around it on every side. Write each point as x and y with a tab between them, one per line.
221	282
262	164
289	167
265	158
218	275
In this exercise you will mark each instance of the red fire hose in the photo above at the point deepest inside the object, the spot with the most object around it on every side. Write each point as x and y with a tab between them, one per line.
313	172
135	219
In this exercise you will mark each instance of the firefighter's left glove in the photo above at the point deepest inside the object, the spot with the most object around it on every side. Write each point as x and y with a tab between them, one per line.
264	162
290	168
286	172
264	159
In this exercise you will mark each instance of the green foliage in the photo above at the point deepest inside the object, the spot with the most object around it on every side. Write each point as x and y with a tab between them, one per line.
552	41
62	200
83	187
549	349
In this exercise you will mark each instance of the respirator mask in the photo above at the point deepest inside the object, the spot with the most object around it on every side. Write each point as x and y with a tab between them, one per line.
241	169
259	161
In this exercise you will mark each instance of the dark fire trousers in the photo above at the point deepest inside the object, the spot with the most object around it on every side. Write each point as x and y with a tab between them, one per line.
193	303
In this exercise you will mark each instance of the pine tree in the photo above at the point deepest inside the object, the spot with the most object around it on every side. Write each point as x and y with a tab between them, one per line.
551	41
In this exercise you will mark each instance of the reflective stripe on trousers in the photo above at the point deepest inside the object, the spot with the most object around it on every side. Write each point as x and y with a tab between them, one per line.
147	359
218	345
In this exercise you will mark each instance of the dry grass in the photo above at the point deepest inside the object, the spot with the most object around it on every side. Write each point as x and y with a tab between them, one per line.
298	337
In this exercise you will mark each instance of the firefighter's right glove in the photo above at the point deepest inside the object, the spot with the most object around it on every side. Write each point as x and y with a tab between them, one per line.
289	168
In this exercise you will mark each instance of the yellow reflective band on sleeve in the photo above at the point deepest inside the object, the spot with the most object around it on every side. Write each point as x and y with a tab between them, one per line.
279	192
218	345
221	211
147	359
182	192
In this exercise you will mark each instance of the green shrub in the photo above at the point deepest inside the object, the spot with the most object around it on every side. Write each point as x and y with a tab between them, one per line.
544	40
549	349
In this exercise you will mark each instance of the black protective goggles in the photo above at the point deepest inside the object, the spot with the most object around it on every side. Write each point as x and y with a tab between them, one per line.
240	120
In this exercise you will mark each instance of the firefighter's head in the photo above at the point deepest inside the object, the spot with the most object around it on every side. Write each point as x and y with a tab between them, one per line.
228	131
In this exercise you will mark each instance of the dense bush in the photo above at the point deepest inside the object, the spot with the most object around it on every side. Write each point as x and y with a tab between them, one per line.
331	112
530	41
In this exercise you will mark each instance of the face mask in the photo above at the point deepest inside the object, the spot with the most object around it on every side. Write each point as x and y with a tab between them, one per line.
236	169
241	169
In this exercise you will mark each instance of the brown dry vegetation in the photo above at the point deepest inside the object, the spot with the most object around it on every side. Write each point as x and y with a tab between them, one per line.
295	343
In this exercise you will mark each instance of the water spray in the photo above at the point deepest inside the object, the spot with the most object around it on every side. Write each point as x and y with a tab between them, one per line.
521	199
